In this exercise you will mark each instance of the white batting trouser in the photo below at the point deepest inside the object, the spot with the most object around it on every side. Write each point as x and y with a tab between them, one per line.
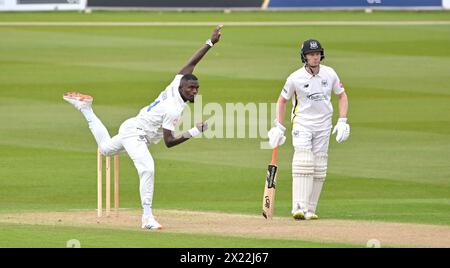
133	141
309	166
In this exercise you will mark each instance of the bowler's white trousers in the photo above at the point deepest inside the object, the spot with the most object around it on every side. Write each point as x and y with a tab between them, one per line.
131	139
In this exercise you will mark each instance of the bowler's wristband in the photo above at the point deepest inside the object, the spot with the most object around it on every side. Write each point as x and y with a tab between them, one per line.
194	131
209	43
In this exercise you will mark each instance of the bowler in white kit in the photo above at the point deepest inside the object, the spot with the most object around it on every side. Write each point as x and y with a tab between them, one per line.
310	89
155	121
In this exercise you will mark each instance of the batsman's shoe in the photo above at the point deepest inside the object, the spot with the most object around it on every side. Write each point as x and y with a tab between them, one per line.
80	101
298	215
150	223
311	216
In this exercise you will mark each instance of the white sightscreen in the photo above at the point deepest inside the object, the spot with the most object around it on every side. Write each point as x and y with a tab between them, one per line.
36	5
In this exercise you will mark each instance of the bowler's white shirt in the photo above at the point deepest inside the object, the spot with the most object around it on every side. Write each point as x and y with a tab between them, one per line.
164	112
311	97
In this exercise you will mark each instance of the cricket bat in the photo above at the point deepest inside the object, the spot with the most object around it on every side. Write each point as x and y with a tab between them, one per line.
269	189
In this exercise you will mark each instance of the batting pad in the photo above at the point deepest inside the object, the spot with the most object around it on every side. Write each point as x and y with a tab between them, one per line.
320	165
320	172
302	178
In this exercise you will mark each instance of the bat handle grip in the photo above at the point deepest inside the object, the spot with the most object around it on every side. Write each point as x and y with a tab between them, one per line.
274	156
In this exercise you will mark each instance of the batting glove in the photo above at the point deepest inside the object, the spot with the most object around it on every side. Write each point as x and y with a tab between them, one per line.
276	135
342	129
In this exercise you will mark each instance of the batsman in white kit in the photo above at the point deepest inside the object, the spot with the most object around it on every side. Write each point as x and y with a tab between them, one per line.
155	121
310	88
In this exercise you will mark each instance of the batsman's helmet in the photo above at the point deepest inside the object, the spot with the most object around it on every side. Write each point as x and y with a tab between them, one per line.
309	46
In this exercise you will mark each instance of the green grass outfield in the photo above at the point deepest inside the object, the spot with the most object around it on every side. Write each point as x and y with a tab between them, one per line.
395	167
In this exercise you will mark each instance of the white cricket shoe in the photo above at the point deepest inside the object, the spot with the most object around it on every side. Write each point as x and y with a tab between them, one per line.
80	101
298	215
311	216
150	223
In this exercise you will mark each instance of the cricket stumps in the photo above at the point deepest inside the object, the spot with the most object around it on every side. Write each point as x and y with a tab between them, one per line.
107	183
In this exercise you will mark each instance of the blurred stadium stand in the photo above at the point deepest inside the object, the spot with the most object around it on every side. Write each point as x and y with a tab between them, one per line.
356	4
177	3
40	5
27	5
272	4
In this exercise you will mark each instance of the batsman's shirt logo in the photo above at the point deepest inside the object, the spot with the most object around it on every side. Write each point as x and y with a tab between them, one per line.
317	97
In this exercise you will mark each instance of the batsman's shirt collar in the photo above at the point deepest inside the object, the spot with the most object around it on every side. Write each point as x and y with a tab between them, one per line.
309	76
